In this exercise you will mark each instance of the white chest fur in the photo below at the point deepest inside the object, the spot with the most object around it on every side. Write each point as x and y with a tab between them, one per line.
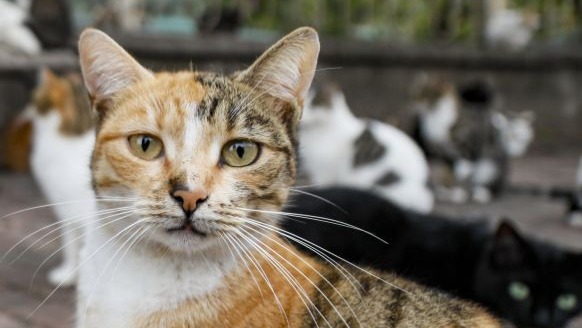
57	158
115	291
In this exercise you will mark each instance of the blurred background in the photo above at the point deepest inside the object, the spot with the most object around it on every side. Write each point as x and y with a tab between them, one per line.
376	51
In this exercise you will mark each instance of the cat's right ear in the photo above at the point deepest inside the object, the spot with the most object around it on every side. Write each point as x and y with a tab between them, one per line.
285	71
107	68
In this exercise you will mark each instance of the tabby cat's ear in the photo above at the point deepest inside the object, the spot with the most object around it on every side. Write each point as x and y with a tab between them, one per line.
107	68
285	70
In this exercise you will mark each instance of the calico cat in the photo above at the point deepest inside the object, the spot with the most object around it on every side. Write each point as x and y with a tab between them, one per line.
526	281
205	163
62	137
461	129
338	148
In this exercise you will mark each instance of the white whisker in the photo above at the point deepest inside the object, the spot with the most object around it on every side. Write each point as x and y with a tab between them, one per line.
303	275
257	265
316	218
125	215
59	222
60	204
138	231
320	198
287	275
83	263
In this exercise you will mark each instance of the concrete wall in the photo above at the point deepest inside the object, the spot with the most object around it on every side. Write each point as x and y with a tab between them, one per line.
377	78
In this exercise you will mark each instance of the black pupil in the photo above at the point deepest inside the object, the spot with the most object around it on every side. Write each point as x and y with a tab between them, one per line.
145	143
240	150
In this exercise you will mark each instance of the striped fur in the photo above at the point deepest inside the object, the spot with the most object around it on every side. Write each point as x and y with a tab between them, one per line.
232	270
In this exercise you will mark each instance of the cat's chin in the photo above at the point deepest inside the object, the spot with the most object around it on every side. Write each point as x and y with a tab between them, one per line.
183	240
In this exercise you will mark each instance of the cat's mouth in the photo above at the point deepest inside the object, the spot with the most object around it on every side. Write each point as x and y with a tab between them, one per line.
187	227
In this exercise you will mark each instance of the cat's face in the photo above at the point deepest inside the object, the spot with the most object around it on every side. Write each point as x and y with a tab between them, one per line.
198	154
516	131
531	285
430	89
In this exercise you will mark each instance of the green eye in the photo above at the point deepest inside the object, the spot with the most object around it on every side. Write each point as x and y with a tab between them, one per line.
518	290
239	153
567	302
145	146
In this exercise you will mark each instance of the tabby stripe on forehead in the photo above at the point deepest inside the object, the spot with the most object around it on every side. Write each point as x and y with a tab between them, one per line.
211	109
207	79
251	121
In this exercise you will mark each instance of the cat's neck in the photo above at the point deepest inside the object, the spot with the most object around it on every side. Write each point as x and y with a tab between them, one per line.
176	290
250	288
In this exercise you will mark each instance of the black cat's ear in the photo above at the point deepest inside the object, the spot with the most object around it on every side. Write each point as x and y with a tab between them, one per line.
509	249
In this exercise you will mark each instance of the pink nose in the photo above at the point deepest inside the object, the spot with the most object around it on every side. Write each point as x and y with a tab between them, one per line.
190	199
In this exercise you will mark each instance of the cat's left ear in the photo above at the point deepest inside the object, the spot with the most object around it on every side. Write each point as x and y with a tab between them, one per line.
285	70
509	250
107	68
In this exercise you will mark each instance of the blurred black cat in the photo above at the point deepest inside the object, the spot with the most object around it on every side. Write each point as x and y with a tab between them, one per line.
525	281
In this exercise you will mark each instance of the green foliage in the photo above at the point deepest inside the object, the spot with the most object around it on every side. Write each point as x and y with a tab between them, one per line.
403	20
391	20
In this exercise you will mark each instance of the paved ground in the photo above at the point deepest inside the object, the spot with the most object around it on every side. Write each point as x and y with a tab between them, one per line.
20	295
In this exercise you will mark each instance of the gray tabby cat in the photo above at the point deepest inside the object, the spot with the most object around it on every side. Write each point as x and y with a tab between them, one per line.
462	129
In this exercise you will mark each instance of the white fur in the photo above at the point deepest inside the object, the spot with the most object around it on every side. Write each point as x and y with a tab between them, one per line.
60	165
327	140
13	33
485	171
481	195
438	121
121	287
516	133
509	28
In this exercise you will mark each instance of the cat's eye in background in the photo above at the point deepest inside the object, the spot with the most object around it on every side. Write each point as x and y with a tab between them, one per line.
518	290
567	302
239	153
145	146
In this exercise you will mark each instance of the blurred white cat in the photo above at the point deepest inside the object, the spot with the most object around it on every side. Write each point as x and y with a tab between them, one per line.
13	32
508	28
337	148
61	144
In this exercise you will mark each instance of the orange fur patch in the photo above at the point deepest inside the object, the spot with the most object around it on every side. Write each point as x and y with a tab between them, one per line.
18	144
243	304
